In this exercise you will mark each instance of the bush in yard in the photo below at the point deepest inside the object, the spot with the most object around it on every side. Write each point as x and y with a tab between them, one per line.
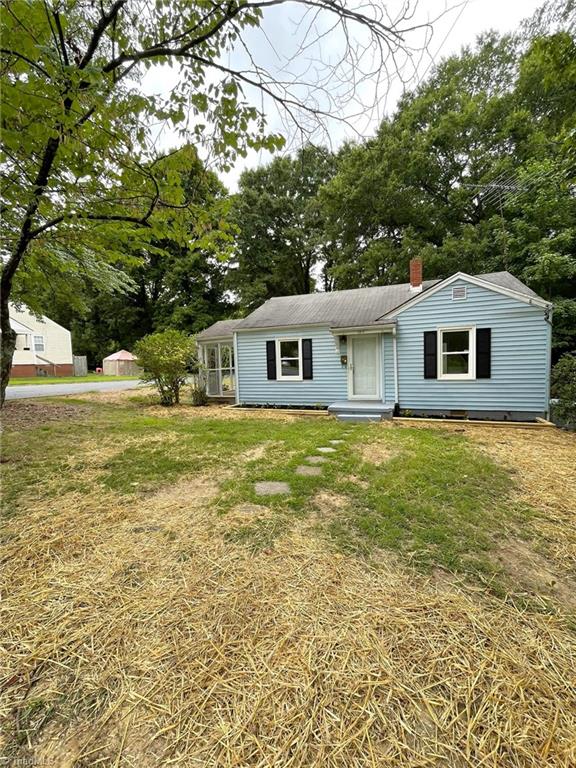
199	394
564	389
166	359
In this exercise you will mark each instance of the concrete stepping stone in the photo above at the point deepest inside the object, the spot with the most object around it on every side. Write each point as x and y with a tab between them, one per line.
336	442
271	488
316	459
309	471
326	449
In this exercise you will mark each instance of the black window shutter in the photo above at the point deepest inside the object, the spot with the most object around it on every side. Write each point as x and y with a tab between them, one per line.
430	355
483	353
307	359
271	359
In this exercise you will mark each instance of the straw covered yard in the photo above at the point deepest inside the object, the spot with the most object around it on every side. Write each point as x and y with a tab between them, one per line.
142	627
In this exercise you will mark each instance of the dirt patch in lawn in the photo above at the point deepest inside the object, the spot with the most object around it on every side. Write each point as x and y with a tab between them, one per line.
259	451
145	400
138	637
328	504
119	396
18	414
375	452
536	572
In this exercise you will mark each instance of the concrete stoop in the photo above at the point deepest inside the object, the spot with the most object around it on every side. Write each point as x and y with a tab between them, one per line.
361	410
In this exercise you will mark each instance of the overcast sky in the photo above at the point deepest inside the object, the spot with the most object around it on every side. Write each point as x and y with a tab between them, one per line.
283	30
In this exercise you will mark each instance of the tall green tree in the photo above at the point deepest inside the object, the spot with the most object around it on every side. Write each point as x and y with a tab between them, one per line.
474	172
84	181
172	285
281	241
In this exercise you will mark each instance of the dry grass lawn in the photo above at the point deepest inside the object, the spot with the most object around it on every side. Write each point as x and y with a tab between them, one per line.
137	632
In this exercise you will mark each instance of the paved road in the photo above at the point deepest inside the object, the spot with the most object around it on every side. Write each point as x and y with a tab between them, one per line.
53	390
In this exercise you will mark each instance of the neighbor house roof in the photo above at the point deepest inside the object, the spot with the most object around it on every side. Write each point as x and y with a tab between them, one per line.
121	355
342	309
219	330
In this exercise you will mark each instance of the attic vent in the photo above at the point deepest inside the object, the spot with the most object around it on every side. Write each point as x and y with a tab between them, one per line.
458	293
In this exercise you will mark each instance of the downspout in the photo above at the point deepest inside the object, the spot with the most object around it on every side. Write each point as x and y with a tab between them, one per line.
236	369
548	319
396	385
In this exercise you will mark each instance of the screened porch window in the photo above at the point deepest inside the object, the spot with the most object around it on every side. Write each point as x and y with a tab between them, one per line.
220	370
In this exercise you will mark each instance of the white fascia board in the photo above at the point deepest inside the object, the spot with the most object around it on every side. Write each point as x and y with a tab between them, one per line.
290	328
533	300
214	339
363	329
19	327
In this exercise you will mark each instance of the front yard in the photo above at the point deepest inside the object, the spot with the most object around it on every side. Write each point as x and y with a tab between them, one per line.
412	604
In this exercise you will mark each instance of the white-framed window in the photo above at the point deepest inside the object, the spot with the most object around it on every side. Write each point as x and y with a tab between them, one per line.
39	344
220	369
457	353
289	359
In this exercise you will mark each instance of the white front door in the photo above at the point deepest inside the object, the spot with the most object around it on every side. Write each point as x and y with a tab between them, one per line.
364	367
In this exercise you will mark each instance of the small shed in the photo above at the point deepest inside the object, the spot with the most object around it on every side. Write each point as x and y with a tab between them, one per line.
121	363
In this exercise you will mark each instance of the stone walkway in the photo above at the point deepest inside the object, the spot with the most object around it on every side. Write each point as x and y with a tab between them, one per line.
273	488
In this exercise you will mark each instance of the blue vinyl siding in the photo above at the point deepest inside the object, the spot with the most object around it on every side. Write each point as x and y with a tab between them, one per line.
330	376
520	353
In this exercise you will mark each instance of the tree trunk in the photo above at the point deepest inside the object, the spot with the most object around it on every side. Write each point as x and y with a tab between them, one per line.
10	266
8	345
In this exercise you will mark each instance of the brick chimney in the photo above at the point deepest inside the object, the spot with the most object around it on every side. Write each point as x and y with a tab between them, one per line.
415	275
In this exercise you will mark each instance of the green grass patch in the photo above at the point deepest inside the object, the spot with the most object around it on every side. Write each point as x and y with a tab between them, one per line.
437	500
19	382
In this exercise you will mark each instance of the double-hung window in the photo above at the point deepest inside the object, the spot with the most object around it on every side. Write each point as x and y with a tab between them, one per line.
39	344
457	353
289	359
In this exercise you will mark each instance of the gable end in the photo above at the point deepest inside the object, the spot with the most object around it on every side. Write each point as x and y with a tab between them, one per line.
509	292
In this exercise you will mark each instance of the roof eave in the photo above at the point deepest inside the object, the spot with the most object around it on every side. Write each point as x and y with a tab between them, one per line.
368	328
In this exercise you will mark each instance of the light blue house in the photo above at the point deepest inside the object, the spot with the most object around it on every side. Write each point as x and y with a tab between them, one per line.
475	346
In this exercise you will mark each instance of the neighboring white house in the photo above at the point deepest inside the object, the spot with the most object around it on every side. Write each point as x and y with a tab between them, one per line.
43	348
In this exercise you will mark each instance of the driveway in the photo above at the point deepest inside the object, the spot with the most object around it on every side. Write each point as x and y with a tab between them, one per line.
54	390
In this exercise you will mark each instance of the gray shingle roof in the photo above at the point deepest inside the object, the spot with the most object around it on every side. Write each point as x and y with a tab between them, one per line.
359	306
506	280
219	330
341	309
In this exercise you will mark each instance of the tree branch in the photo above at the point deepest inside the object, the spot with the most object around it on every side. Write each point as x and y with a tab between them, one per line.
101	27
10	52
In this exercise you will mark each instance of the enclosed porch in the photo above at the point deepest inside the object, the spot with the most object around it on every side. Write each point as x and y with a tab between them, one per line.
216	350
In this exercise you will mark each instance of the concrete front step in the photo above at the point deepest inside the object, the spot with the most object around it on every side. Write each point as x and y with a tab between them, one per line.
364	417
361	410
